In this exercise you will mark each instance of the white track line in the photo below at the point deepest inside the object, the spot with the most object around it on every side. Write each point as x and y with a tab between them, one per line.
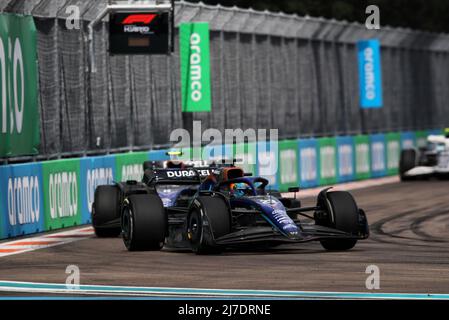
101	290
44	241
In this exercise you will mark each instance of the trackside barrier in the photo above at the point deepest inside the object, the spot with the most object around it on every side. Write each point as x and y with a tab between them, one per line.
378	156
158	155
62	193
129	166
362	157
94	172
328	161
393	141
21	200
345	159
246	154
288	173
420	139
309	164
218	152
435	132
268	163
37	197
408	140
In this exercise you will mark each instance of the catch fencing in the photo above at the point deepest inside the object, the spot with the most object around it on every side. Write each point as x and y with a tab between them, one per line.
269	70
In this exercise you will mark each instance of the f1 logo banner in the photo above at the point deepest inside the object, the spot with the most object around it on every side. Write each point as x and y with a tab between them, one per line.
370	74
195	67
139	33
19	119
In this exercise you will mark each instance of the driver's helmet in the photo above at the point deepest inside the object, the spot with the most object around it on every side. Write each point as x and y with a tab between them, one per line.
239	190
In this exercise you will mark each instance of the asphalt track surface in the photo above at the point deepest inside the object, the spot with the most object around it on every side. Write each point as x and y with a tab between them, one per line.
409	243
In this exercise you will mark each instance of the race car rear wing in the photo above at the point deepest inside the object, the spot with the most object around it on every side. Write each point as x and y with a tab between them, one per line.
176	176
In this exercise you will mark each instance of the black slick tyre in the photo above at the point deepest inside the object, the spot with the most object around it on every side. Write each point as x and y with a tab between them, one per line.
144	223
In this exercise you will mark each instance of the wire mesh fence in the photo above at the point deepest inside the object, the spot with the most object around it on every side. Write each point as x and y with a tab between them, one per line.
296	74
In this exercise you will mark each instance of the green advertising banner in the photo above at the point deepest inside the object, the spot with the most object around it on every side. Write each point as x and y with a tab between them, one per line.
19	118
421	139
328	161
62	196
393	153
192	154
246	156
362	157
129	166
195	67
288	175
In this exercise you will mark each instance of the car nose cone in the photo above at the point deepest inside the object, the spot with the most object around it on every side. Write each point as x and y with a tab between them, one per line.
293	235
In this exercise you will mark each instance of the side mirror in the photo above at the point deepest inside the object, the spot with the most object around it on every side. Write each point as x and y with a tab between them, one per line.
294	190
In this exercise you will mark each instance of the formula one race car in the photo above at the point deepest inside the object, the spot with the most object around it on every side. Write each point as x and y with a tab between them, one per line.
430	161
108	200
209	209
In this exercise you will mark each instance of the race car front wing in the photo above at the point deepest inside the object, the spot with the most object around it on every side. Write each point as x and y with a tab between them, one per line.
309	232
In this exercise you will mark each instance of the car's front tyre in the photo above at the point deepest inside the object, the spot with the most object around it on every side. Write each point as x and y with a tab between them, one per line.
406	163
342	214
209	218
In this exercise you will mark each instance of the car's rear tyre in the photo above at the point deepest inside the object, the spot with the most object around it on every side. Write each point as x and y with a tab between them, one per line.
343	208
144	223
106	212
406	163
209	219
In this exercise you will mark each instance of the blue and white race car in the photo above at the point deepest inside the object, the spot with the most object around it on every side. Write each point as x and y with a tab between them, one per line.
429	161
212	208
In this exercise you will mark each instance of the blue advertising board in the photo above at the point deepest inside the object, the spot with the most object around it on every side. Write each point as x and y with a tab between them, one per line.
408	140
94	172
370	74
218	152
21	200
308	163
378	155
159	155
435	132
345	159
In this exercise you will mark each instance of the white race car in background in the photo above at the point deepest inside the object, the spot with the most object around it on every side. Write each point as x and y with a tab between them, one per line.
432	160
